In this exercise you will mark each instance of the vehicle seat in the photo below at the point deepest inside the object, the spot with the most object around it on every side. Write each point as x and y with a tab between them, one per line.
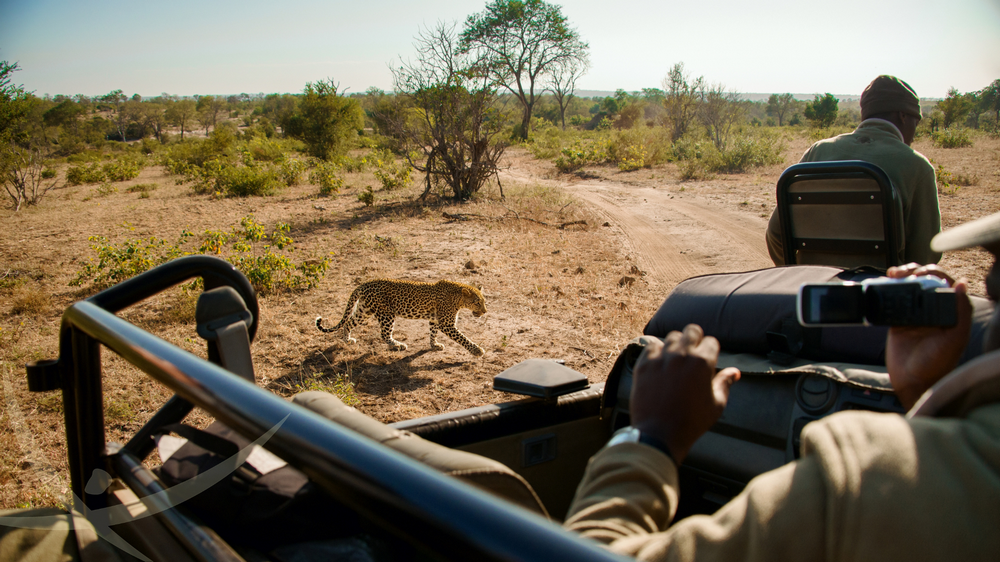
480	471
845	214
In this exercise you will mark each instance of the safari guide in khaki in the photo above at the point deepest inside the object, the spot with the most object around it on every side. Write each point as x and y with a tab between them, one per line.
868	486
890	112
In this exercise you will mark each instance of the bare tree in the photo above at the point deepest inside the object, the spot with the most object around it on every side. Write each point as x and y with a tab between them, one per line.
22	177
448	119
680	100
562	82
720	110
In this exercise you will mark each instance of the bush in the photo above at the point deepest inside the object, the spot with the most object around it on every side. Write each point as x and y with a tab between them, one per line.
291	171
116	263
367	196
956	137
581	154
746	152
121	169
253	252
261	257
326	175
230	180
391	174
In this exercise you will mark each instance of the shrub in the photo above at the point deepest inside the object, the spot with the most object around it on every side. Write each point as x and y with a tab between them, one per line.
264	149
580	154
291	171
957	137
256	254
326	176
48	173
389	173
260	256
120	169
116	263
746	152
367	196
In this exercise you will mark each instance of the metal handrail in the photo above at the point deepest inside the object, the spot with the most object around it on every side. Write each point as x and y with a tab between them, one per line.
411	500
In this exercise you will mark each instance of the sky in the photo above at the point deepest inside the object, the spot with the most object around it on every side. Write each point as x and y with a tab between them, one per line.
222	47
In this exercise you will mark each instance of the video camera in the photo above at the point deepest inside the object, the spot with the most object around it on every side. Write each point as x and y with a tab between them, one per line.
911	301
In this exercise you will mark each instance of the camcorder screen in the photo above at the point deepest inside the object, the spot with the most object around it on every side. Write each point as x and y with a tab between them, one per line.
832	304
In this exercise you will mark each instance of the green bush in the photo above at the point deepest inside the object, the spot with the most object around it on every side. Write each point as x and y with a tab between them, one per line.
952	137
121	169
260	256
745	152
367	196
391	174
291	171
582	153
230	180
116	263
327	176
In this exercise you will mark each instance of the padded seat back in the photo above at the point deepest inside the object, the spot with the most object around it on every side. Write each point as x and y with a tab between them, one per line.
844	214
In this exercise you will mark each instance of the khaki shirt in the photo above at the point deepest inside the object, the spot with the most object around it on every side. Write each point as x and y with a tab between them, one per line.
869	486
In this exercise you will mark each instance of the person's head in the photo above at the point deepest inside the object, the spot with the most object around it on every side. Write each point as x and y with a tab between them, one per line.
889	98
983	232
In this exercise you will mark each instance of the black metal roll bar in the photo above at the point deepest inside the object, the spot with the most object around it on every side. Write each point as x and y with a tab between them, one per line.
407	498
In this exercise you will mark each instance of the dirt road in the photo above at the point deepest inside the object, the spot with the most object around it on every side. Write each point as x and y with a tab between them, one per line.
671	235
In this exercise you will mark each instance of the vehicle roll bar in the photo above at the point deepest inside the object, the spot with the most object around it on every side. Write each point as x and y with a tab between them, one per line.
413	501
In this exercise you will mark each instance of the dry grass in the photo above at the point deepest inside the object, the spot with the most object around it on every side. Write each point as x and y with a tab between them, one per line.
551	292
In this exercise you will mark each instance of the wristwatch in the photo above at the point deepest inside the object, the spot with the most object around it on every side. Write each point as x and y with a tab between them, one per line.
629	434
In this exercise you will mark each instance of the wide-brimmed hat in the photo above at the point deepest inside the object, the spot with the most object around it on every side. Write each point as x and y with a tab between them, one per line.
980	232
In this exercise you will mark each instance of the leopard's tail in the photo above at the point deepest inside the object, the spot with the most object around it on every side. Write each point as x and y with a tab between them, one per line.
352	306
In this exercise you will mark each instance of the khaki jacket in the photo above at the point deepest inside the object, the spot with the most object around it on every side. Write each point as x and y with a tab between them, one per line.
880	142
868	486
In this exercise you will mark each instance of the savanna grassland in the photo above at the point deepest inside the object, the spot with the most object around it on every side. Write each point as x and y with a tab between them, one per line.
552	272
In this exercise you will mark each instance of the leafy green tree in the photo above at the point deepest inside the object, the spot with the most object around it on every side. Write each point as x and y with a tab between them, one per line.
209	108
989	99
326	121
279	109
182	114
448	116
521	43
822	111
115	100
65	114
680	100
20	163
954	107
781	106
15	106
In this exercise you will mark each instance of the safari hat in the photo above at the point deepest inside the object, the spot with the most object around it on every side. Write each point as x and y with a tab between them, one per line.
980	232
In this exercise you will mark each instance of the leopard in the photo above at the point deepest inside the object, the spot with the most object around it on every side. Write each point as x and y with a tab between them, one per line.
389	299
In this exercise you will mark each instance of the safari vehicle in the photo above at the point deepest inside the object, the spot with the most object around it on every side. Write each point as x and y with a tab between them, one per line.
395	507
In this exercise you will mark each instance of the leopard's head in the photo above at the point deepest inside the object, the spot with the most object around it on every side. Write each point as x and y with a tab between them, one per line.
474	300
